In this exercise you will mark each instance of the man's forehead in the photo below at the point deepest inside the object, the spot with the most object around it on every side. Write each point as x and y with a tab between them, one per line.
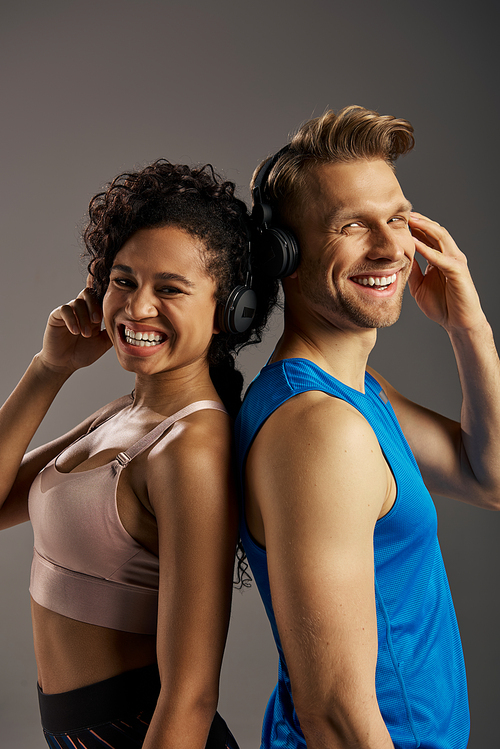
341	188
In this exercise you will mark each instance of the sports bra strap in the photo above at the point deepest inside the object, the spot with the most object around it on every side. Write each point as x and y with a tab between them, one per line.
150	438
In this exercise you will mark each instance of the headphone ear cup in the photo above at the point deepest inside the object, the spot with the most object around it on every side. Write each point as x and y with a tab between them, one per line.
237	314
280	252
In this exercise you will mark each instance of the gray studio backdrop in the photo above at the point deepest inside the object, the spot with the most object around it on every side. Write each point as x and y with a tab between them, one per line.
89	89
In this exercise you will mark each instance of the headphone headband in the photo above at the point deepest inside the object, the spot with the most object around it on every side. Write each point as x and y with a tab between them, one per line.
262	211
278	248
239	310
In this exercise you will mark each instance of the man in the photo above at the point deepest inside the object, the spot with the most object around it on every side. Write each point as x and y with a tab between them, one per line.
339	527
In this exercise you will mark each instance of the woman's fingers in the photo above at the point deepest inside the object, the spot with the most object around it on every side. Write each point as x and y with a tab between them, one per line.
83	314
67	314
94	306
73	336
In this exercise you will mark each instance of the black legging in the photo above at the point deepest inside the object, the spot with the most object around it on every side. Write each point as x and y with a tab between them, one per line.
114	713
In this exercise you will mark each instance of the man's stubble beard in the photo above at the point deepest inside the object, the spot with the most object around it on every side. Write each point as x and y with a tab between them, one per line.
380	318
351	310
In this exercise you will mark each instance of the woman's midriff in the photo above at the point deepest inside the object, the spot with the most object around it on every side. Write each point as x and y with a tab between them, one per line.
72	654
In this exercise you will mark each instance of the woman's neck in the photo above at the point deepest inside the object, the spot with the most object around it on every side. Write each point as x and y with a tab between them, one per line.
168	392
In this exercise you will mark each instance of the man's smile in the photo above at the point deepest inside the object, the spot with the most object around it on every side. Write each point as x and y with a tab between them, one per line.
381	282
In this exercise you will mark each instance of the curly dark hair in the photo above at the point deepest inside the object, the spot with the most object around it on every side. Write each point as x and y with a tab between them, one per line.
200	202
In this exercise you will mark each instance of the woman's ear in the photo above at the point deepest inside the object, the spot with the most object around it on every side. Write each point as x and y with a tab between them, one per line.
218	318
89	283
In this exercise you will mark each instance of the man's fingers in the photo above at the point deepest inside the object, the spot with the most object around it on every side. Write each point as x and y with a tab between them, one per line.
433	234
415	278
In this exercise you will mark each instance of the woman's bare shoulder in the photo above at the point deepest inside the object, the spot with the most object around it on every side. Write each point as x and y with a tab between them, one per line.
199	453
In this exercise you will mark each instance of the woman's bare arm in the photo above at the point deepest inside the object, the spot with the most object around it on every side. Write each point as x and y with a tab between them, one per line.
73	339
191	491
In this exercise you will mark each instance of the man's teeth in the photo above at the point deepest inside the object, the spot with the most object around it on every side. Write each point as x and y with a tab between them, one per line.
381	281
142	339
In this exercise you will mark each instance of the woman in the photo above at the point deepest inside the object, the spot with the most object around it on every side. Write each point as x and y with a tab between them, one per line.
133	511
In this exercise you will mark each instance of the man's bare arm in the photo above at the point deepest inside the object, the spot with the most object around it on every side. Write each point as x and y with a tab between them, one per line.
320	489
456	460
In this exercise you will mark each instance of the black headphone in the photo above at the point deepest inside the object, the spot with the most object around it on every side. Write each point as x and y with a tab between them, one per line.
239	310
277	248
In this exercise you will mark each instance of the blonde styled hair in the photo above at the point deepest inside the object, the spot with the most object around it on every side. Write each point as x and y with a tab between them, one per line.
352	133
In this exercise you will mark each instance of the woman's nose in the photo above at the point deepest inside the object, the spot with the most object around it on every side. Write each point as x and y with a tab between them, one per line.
141	304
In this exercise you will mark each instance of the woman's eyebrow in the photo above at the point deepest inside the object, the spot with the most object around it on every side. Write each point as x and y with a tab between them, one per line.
122	268
174	277
164	276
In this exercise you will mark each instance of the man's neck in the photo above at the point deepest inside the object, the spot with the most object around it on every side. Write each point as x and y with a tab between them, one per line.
341	353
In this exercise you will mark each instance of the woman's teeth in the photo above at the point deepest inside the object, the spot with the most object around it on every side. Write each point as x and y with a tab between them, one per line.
379	281
142	339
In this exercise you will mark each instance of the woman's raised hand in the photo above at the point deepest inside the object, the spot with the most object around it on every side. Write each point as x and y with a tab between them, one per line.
73	337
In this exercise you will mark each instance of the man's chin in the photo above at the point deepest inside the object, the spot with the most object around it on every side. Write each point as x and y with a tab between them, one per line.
376	316
370	322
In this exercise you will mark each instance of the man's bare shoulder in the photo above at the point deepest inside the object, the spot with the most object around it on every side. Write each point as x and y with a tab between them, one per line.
317	416
315	432
318	463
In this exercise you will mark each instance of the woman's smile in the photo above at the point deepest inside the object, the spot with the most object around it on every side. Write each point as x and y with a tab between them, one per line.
143	339
143	342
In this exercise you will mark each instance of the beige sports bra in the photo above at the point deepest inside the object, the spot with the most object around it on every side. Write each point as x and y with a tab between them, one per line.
86	566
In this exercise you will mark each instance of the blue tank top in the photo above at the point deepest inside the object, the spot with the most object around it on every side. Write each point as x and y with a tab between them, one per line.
420	676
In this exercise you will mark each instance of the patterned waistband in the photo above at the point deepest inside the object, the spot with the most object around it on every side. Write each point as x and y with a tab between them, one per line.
101	702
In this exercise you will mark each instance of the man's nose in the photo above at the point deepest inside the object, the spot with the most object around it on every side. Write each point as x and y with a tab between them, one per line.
385	244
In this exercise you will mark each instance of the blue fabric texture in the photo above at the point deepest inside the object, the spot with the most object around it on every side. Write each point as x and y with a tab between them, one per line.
420	677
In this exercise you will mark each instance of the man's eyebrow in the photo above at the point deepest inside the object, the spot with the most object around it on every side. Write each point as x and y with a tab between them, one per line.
405	207
158	276
341	213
